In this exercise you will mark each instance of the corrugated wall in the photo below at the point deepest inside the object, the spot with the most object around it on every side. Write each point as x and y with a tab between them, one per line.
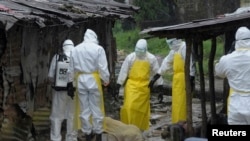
26	60
245	3
201	9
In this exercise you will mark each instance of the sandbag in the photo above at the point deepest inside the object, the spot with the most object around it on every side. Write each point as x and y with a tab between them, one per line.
121	131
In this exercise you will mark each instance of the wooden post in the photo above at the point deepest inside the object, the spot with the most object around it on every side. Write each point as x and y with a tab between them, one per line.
202	89
211	80
188	88
229	39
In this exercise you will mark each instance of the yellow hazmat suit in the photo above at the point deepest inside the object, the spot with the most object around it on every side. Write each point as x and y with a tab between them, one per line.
135	74
175	61
136	108
178	90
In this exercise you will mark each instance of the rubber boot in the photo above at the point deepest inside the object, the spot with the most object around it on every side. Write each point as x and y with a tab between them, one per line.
88	137
98	137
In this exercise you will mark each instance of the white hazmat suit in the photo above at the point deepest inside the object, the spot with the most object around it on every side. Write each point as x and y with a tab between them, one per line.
62	104
89	65
236	68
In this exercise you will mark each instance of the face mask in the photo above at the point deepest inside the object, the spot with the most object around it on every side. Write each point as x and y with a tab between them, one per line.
175	45
140	54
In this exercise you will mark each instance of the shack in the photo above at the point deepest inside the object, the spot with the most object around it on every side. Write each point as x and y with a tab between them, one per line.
32	31
194	33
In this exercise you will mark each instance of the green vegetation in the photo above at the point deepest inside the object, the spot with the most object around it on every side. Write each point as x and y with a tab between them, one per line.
126	41
206	52
153	10
219	50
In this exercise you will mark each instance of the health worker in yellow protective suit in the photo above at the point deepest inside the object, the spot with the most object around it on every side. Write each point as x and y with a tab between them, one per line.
175	61
136	71
236	68
88	63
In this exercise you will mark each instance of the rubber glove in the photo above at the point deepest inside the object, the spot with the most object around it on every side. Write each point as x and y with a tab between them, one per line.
70	89
151	83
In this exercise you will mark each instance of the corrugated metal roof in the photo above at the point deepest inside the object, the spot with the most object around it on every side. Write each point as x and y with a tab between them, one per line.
68	12
206	28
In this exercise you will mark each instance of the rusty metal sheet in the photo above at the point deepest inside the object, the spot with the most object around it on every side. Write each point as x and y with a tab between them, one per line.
69	12
207	27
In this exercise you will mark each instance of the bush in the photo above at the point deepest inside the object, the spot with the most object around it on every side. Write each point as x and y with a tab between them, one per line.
126	40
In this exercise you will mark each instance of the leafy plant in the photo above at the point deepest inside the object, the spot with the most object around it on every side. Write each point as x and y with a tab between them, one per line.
126	40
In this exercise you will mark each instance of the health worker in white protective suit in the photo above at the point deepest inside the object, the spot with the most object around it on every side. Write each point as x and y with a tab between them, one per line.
175	62
62	104
236	68
89	66
136	71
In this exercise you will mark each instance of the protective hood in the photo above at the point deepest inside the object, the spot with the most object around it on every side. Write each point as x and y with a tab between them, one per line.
242	37
174	44
90	36
68	45
141	48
